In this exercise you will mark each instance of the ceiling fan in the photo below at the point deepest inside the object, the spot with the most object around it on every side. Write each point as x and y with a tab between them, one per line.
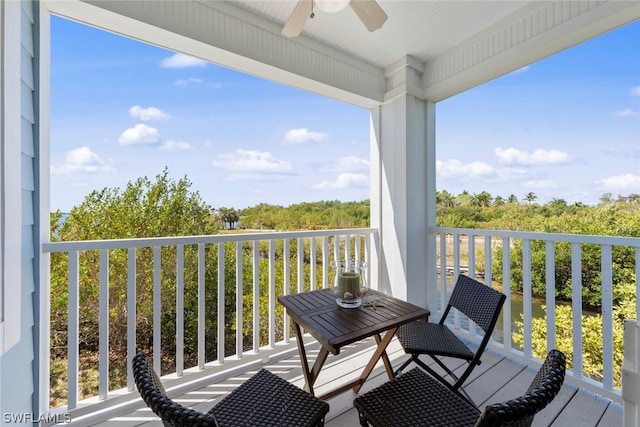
369	12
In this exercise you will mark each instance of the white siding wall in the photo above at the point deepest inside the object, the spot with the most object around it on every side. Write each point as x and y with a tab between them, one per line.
17	385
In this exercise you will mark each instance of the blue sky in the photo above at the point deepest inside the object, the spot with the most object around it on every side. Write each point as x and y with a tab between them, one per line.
565	127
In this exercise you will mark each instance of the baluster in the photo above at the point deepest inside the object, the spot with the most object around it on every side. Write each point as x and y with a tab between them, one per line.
526	297
550	293
73	330
131	314
180	310
157	326
312	261
239	295
103	386
272	294
506	289
222	338
256	296
576	306
201	306
286	254
607	316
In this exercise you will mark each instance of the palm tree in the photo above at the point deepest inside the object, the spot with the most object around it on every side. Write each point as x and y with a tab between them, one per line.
485	199
445	198
530	197
480	200
512	199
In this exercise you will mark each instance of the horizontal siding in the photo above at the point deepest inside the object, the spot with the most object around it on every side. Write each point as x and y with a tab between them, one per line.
26	100
28	286
28	216
17	364
26	27
27	71
27	136
27	175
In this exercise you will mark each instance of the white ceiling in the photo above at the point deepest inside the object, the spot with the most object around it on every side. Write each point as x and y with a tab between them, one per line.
423	29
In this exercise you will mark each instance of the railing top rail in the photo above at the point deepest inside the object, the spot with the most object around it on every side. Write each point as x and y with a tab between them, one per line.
191	240
556	237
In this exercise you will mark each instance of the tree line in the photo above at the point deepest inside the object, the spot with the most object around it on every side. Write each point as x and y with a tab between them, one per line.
167	207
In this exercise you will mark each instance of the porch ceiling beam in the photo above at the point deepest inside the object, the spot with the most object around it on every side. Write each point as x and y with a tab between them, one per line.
230	36
515	42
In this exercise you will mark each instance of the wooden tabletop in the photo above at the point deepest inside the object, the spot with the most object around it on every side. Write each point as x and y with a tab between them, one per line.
334	327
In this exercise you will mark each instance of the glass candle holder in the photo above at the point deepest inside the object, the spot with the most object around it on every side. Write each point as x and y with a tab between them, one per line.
349	285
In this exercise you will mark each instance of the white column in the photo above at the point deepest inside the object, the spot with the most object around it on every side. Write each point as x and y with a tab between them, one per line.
403	184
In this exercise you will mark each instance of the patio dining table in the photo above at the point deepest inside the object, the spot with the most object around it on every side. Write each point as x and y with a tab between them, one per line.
334	327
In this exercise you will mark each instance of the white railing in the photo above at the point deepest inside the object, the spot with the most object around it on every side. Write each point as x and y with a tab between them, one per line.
631	374
459	244
309	254
254	261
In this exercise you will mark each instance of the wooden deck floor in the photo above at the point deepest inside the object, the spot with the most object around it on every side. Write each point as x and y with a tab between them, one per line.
496	379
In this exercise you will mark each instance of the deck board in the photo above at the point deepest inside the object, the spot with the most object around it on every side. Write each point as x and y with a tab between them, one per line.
613	416
497	379
584	409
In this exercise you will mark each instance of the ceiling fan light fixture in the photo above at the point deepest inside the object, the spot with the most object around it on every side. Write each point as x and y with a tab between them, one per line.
331	6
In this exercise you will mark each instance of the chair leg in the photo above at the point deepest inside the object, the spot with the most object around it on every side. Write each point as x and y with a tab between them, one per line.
453	387
446	369
363	420
404	365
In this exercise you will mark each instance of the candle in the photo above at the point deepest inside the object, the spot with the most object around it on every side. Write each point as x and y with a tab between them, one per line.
348	281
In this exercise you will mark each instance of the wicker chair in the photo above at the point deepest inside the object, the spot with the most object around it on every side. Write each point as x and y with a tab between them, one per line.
417	399
478	302
263	400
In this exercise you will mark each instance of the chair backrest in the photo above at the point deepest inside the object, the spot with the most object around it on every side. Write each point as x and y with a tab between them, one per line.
478	302
519	412
154	395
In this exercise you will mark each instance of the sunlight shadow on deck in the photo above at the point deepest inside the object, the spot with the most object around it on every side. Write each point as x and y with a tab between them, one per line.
498	378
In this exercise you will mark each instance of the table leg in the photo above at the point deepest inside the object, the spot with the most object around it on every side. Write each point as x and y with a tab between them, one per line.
381	351
385	359
310	375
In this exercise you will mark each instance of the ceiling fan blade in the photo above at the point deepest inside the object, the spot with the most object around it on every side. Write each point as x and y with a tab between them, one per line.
370	13
298	17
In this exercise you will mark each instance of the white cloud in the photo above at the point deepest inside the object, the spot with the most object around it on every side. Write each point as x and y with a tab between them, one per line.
621	182
348	163
635	91
186	82
172	145
513	156
344	181
140	134
303	136
180	60
81	160
150	113
455	168
480	171
251	164
540	184
627	112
